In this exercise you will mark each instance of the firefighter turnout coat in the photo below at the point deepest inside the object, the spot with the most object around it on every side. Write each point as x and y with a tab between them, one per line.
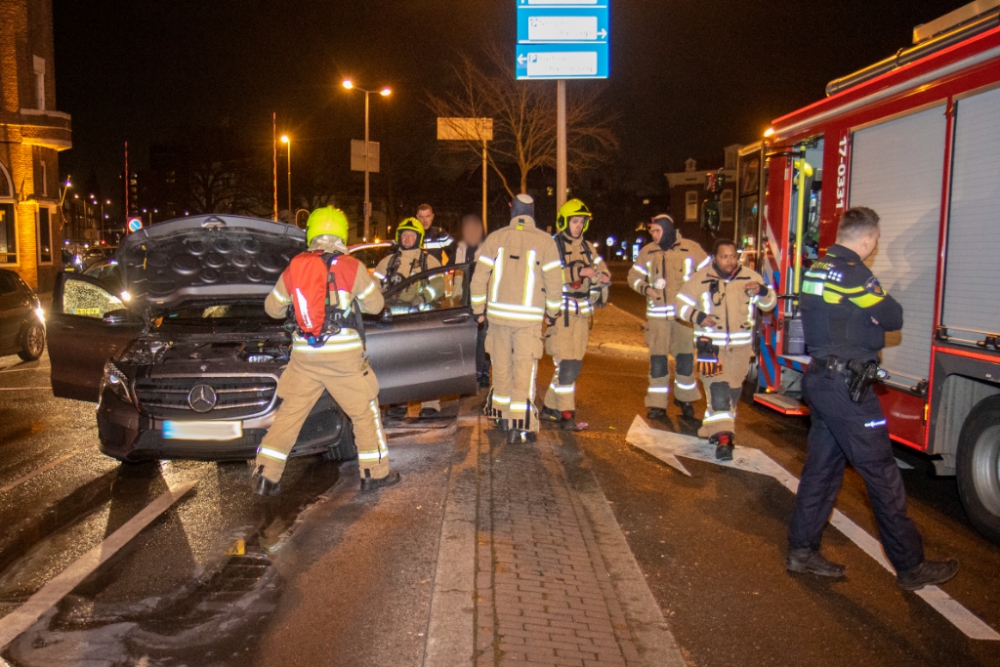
405	263
664	334
726	347
518	281
338	366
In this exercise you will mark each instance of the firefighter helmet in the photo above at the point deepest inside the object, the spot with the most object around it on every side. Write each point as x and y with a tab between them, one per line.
410	225
326	221
574	208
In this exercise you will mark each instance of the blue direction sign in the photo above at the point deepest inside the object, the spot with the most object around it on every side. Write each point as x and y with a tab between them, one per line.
563	39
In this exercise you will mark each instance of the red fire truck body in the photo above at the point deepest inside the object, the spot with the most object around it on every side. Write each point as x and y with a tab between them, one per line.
916	138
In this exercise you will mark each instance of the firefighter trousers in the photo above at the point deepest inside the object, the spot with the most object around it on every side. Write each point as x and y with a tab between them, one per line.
722	392
566	343
514	353
670	337
352	384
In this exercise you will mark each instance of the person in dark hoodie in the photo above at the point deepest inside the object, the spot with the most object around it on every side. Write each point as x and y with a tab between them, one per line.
660	271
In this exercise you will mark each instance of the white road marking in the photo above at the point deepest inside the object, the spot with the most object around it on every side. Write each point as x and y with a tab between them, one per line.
27	614
666	446
35	473
903	465
25	388
22	370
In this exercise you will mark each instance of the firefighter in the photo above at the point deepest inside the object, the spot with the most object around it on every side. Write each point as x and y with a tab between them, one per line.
325	288
721	301
437	242
410	259
585	280
662	267
518	285
845	314
467	250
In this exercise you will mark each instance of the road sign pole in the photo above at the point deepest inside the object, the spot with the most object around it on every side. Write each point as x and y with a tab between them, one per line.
367	168
486	227
561	180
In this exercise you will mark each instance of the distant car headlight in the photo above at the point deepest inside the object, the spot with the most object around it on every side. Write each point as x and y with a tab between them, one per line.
126	297
41	314
117	381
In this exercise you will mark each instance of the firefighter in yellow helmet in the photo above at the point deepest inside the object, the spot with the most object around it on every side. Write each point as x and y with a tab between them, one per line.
585	287
409	259
660	271
322	286
518	284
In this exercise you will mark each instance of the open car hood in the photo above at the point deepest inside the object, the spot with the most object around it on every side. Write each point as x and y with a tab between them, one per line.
205	260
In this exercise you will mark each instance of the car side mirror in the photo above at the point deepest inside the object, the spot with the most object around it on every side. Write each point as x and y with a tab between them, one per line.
116	317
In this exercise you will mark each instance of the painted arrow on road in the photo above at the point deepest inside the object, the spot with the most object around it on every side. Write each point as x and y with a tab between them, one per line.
668	446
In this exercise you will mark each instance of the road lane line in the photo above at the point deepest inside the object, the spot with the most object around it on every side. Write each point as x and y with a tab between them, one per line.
23	388
63	584
24	370
35	473
667	446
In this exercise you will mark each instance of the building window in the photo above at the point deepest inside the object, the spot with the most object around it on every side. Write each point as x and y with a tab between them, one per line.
8	235
45	179
40	82
6	192
691	206
44	235
726	207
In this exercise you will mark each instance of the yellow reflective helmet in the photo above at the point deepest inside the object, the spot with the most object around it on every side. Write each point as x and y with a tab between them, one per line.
327	221
574	208
410	225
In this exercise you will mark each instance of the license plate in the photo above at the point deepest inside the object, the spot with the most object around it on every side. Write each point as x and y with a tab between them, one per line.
177	430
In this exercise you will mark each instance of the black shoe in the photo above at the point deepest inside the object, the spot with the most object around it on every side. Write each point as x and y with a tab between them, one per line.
262	486
723	446
807	561
503	425
568	421
517	437
483	379
551	415
687	410
656	414
397	412
429	412
369	484
928	573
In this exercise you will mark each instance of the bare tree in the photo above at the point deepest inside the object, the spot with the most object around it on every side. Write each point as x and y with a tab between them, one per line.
524	118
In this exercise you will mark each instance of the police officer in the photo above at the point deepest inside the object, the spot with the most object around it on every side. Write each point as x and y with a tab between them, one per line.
408	259
467	250
845	313
518	285
662	267
721	301
335	363
437	242
585	280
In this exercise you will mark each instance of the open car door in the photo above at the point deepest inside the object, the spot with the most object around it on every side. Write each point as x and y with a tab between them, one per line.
423	345
88	325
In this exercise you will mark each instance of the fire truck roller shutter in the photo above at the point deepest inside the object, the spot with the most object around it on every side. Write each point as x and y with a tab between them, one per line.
972	272
897	169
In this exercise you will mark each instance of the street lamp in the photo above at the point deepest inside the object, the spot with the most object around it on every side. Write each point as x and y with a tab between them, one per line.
385	92
288	142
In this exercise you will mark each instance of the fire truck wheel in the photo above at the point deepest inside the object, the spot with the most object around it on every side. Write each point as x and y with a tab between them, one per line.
978	464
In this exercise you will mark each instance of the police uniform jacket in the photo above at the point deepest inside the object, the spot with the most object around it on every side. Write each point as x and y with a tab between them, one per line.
675	265
437	242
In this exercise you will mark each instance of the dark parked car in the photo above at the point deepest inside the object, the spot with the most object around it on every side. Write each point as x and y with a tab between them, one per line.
184	363
22	322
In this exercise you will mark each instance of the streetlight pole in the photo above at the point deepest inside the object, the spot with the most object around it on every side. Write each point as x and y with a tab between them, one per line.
385	92
288	142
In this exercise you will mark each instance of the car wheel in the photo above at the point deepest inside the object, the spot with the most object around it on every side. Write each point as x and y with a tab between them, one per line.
344	448
32	342
978	464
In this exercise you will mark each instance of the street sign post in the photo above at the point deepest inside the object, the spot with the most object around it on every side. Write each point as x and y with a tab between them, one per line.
134	224
469	129
359	156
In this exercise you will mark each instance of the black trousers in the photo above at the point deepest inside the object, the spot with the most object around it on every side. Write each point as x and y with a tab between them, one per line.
482	363
846	431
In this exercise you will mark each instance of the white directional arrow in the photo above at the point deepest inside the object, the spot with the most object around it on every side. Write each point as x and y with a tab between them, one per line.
521	59
668	446
602	33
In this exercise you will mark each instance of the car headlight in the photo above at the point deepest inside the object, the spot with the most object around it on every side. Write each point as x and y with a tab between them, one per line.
117	381
41	314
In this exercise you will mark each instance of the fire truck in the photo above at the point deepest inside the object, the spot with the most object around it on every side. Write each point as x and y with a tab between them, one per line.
916	137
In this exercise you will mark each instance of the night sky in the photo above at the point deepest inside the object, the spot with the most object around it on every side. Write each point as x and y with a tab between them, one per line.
687	77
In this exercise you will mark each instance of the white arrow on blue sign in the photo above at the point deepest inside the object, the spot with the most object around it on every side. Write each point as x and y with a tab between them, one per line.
563	39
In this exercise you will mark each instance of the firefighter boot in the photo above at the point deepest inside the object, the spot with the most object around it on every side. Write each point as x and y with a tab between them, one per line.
687	410
517	437
656	414
928	573
807	561
551	414
262	485
723	446
369	484
503	425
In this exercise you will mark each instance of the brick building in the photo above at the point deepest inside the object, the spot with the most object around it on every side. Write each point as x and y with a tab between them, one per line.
32	133
688	196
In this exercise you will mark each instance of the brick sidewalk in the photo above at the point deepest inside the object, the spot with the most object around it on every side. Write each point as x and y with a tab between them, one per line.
543	594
